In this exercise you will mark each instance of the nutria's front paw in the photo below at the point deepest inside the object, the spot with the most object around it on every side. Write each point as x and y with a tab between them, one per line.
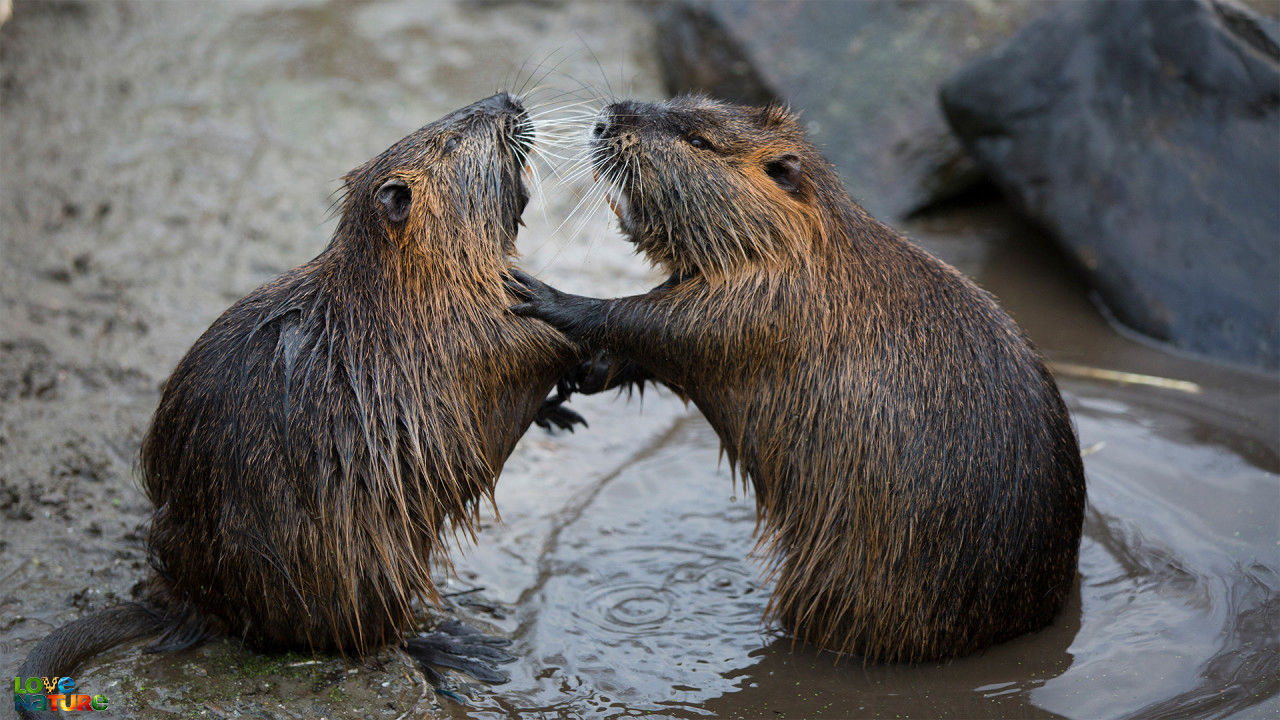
539	298
560	310
525	286
603	372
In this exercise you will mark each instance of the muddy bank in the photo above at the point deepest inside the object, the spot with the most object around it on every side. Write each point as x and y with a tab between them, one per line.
159	161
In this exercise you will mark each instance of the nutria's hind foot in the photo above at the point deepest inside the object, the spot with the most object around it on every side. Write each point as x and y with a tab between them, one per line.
458	647
553	415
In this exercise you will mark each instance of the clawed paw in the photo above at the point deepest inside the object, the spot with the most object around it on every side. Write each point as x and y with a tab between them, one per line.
457	647
554	415
575	316
520	282
526	287
541	301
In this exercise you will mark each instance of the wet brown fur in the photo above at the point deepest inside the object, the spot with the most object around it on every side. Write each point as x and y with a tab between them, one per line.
317	444
917	477
314	446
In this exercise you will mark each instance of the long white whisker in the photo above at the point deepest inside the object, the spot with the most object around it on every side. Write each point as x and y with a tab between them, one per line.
575	164
575	176
610	181
571	103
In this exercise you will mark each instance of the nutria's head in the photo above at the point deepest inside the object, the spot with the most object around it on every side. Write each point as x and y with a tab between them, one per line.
450	194
703	186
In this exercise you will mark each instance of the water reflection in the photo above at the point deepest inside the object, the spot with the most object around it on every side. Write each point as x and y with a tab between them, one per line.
654	606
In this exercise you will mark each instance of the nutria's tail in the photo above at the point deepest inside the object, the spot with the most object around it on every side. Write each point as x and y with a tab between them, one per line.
64	649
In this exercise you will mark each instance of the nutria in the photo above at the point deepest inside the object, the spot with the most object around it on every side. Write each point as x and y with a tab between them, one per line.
315	444
917	477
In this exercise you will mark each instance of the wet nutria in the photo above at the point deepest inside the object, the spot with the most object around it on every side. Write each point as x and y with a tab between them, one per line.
917	476
314	446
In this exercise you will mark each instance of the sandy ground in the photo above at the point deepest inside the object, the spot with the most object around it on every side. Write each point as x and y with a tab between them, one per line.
160	161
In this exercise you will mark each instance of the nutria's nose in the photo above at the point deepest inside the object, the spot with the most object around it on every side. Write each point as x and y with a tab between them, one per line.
501	102
616	118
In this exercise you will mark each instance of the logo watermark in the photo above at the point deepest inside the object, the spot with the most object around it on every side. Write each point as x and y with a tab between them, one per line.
53	694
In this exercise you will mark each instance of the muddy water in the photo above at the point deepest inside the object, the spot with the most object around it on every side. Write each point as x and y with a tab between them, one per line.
159	161
631	589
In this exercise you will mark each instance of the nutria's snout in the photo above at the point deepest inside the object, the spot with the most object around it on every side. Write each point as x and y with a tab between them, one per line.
504	113
616	128
500	102
519	134
514	120
615	119
515	133
614	135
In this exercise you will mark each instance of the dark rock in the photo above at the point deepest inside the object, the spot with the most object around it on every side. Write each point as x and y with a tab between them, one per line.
697	54
864	75
1146	136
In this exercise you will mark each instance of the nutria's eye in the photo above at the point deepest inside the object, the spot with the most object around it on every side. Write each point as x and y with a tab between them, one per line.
785	171
395	197
451	144
699	142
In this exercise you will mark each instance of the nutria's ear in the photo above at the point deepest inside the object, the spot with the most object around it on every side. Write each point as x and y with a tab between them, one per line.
396	199
785	171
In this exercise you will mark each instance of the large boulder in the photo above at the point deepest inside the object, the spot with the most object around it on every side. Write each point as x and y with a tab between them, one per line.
863	74
698	54
1146	137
